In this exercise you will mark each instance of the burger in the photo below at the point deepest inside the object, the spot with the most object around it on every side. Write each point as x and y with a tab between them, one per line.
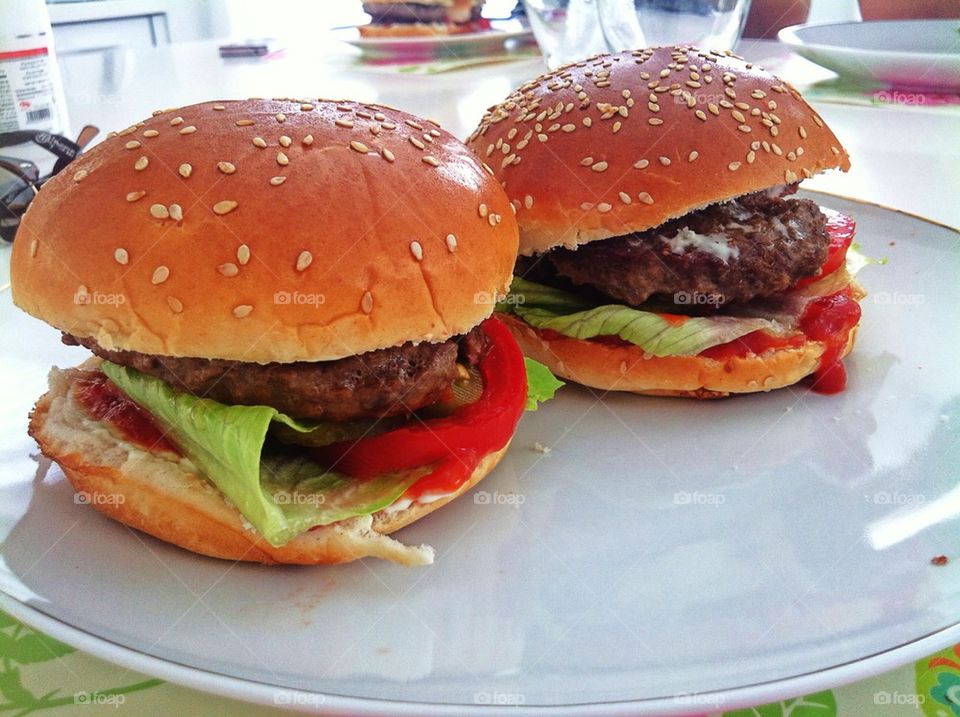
424	17
287	304
662	249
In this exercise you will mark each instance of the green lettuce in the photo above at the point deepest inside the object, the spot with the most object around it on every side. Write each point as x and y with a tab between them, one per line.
278	489
541	384
282	494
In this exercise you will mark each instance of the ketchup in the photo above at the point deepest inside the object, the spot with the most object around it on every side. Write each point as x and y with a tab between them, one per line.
105	402
830	319
756	342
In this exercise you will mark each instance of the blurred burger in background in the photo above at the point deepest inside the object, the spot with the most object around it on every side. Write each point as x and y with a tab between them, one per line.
424	17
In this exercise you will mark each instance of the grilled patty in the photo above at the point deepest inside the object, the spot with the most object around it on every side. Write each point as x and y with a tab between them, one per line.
377	384
406	12
754	246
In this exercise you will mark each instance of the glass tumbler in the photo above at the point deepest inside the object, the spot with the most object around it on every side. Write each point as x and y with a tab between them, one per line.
566	30
711	24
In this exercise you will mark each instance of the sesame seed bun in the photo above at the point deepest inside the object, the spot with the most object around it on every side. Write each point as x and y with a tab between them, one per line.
169	500
268	230
626	368
585	153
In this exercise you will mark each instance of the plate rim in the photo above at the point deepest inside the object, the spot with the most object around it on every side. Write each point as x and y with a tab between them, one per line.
335	705
405	41
790	36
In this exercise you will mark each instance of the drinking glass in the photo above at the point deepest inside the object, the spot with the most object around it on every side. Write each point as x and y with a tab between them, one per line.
566	30
711	24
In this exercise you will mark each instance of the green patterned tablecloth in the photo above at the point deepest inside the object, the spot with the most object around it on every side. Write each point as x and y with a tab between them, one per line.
39	674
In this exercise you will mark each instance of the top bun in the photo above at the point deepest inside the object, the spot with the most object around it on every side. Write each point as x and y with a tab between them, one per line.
268	230
623	142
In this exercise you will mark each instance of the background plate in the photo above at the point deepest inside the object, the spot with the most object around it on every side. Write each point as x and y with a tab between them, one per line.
913	54
467	43
744	549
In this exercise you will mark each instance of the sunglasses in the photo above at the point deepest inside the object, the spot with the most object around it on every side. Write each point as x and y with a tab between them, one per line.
20	176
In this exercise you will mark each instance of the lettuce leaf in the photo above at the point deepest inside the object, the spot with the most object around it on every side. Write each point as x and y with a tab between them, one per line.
282	494
651	332
541	384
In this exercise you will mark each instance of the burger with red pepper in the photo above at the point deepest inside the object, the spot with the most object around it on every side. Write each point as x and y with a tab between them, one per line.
287	303
662	249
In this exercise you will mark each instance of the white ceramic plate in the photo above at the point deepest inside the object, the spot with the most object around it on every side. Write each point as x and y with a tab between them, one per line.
668	556
467	43
911	54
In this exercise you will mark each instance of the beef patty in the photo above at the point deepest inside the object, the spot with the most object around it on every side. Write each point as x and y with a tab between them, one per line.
754	246
377	384
407	12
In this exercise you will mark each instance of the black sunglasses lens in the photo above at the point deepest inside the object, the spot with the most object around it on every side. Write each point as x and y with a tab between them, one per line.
15	194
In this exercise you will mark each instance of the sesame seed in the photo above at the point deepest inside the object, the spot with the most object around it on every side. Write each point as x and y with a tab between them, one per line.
665	161
306	107
451	243
121	256
243	254
389	125
802	132
388	155
307	141
738	116
744	128
366	303
229	269
586	161
33	247
176	306
175	121
714	110
733	166
587	122
776	149
259	142
244	122
645	198
304	260
134	196
416	142
528	201
132	144
283	160
150	133
790	176
432	161
586	206
641	164
625	198
700	115
603	207
158	211
482	209
160	275
741	106
751	157
141	164
817	121
354	145
281	118
774	131
219	108
226	167
692	157
599	166
242	311
417	250
340	122
493	219
224	207
190	129
176	212
278	180
185	170
655	121
80	175
285	141
413	124
755	145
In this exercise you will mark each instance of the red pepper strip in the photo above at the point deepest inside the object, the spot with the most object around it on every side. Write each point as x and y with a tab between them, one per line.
841	229
469	433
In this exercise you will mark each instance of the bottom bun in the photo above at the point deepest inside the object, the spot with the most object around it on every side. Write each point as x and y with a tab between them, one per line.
415	29
625	368
167	498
